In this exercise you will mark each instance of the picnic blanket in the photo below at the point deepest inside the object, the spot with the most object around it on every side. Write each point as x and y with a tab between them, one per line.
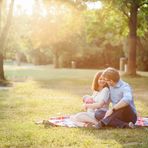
65	121
142	121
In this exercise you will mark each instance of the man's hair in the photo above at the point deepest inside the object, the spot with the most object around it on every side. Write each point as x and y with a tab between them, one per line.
95	85
111	74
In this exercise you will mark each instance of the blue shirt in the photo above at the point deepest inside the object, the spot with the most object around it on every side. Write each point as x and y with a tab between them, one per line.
122	91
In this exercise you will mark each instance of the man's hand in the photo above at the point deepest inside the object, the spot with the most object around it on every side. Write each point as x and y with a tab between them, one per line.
108	113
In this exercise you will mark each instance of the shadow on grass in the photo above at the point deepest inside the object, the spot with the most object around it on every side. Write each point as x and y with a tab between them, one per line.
73	86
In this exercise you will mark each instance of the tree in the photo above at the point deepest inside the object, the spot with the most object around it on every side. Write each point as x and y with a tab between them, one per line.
3	36
105	28
131	8
18	40
57	30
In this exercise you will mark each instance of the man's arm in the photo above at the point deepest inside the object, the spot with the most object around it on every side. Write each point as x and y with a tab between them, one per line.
125	101
120	104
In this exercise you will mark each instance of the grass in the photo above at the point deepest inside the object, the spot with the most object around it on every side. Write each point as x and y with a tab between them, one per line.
41	92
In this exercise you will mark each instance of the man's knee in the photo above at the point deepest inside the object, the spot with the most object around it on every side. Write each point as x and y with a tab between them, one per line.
99	114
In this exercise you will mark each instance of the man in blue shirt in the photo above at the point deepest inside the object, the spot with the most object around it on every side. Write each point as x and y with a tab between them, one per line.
123	114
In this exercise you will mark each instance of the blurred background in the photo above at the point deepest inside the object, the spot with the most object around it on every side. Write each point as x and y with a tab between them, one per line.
75	33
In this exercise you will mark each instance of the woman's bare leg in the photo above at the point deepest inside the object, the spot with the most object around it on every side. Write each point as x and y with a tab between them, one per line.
79	124
82	118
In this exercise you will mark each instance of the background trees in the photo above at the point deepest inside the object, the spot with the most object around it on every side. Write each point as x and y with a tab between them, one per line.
135	12
60	32
132	9
3	34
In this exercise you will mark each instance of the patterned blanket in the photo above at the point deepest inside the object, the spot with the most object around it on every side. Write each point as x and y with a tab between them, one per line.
142	121
62	121
66	122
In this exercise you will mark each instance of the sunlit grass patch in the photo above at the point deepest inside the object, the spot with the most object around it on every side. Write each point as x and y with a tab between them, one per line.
54	93
28	97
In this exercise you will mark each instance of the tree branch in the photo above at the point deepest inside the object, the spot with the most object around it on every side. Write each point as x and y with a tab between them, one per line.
126	14
144	3
5	30
123	10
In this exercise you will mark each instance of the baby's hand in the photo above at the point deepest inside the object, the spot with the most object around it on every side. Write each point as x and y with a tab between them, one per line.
84	107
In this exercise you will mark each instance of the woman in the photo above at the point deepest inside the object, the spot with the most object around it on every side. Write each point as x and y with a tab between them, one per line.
100	103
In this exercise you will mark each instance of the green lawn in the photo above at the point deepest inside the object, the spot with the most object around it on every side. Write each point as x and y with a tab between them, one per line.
41	92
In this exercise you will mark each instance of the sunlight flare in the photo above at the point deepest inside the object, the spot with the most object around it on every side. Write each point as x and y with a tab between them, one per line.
94	5
23	6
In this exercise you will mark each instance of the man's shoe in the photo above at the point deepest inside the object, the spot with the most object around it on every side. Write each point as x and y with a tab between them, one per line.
99	125
131	125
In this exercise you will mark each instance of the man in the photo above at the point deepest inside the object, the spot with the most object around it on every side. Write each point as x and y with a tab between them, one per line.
123	114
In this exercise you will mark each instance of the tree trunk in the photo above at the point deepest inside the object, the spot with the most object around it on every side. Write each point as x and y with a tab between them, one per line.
0	14
132	39
3	37
56	60
2	77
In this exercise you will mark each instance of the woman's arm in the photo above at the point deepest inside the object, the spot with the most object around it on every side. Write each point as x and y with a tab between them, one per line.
94	105
101	99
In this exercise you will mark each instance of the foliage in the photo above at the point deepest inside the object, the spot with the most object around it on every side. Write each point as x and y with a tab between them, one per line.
58	30
38	57
66	31
142	55
135	14
3	35
19	37
105	29
142	21
105	25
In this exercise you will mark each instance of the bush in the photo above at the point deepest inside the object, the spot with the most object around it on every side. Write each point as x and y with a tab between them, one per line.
142	60
92	57
109	56
20	57
112	55
38	58
90	61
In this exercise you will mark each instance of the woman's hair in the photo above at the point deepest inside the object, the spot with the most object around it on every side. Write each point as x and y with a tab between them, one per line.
111	74
95	85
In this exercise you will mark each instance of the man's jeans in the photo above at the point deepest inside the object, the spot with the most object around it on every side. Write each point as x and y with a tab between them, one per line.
100	113
120	118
